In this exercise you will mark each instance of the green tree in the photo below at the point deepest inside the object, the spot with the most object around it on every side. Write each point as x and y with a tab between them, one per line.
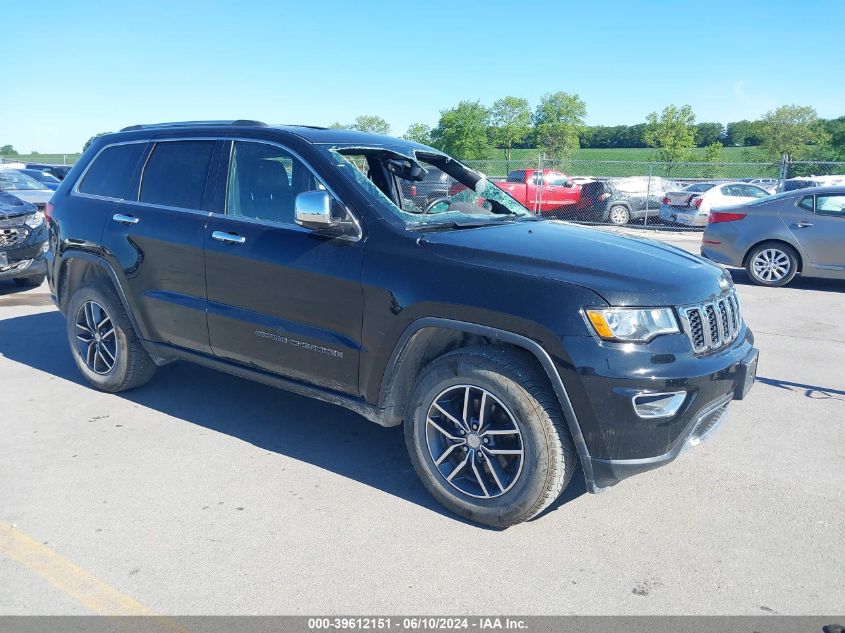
92	139
462	131
510	120
371	123
836	129
672	133
419	133
713	155
791	130
708	133
558	120
8	150
337	125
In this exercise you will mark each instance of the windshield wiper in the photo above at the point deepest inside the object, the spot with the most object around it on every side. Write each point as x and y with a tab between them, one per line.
461	224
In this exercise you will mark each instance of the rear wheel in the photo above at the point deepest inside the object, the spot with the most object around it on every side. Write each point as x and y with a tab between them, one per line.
618	215
772	264
487	437
103	342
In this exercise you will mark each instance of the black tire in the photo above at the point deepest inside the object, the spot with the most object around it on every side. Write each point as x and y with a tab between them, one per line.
132	366
515	381
30	282
618	215
783	260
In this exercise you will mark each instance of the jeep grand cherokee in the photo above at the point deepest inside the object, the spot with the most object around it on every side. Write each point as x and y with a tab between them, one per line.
512	348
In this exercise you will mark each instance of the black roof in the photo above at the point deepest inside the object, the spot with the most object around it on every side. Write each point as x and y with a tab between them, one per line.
311	133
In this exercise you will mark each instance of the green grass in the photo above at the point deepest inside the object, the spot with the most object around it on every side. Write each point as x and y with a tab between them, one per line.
53	159
644	154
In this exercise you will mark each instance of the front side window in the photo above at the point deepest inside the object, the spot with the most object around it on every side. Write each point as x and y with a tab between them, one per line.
392	179
555	179
176	173
264	181
831	205
111	173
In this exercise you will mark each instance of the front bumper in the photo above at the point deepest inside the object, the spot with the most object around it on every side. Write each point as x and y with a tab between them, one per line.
24	260
602	386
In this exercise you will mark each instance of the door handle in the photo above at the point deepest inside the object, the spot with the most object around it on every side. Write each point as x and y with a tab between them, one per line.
124	219
803	225
229	238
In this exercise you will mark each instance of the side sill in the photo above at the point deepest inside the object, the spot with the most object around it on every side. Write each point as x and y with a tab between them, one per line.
163	353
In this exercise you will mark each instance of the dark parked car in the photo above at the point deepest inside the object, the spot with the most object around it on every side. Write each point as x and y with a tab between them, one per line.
434	186
48	180
620	200
513	349
23	240
59	171
777	237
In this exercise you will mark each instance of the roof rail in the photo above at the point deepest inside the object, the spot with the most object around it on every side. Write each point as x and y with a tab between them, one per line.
156	126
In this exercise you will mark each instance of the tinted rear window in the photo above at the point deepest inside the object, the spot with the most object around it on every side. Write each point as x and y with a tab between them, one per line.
111	173
176	173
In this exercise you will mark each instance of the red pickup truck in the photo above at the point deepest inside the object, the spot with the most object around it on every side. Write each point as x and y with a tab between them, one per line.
543	191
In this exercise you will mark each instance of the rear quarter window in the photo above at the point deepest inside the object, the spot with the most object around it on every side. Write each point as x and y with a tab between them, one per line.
110	175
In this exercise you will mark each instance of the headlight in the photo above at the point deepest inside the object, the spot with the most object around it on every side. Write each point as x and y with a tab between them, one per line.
632	324
35	220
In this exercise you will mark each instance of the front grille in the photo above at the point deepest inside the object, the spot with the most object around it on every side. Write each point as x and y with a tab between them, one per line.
11	237
712	325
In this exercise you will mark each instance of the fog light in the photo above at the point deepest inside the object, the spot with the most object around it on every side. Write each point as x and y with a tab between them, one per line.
658	405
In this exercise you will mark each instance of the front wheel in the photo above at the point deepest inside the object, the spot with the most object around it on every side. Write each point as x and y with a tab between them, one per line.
619	215
772	264
486	436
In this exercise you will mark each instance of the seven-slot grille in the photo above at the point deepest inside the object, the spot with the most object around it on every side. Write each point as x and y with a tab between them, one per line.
713	325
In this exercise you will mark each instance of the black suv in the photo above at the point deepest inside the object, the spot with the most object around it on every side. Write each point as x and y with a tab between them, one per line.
513	349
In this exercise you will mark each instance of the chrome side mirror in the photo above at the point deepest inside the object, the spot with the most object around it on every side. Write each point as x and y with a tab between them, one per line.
313	210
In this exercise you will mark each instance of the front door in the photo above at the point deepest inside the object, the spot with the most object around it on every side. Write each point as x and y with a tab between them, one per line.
281	297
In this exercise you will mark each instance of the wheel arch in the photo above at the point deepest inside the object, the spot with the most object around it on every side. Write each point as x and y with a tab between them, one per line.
430	337
78	267
798	253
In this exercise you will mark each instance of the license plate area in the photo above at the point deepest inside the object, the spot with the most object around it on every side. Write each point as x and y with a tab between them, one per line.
746	374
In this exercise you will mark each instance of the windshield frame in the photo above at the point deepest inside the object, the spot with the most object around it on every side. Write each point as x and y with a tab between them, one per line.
475	182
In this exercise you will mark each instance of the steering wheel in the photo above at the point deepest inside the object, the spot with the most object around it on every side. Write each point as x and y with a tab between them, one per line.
435	202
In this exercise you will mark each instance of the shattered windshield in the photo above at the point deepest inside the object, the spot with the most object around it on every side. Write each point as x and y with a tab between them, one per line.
427	189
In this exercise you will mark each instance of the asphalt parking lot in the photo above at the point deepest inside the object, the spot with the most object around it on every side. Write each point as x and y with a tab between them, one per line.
202	493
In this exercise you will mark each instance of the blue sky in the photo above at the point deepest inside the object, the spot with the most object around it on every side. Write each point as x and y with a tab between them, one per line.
70	69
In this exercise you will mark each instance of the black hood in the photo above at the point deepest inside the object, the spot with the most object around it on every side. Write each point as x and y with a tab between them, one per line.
12	206
625	271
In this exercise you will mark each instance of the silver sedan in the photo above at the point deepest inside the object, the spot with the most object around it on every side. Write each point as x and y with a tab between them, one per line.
777	237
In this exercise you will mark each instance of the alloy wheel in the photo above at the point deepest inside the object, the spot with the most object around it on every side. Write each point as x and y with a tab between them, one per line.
474	441
95	337
771	265
618	215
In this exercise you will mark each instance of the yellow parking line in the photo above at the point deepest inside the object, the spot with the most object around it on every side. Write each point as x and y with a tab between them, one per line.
91	592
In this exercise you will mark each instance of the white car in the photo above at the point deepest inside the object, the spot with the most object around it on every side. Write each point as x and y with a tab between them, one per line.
25	187
691	205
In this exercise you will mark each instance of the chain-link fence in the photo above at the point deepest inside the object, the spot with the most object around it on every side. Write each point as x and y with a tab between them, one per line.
660	195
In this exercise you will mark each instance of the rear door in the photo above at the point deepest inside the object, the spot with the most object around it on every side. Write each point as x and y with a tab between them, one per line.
280	297
156	236
818	223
